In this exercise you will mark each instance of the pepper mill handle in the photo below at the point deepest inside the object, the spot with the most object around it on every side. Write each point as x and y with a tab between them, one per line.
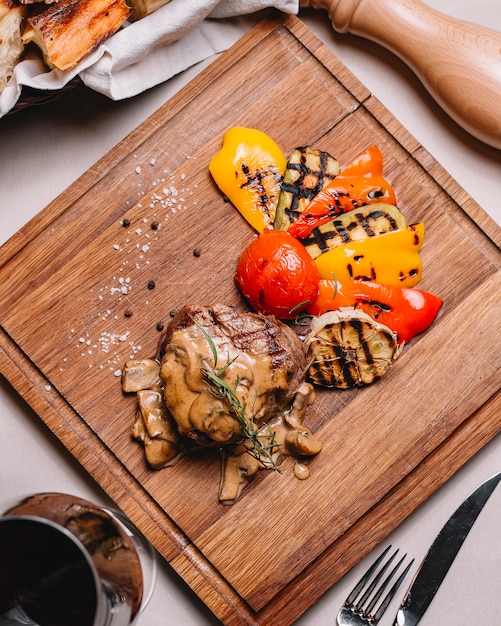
459	63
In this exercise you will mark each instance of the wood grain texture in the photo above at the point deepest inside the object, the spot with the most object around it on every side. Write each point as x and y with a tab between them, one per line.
458	62
68	277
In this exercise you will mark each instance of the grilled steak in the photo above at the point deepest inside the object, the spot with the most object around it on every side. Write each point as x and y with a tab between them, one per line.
232	381
258	357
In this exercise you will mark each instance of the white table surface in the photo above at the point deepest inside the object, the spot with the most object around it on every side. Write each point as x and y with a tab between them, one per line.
44	149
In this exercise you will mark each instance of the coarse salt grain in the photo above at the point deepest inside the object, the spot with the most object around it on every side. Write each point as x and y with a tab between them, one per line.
170	200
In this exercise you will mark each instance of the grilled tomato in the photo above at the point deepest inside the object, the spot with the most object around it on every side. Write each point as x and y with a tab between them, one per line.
276	275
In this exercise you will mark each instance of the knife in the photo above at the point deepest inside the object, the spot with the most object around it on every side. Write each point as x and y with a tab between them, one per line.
441	555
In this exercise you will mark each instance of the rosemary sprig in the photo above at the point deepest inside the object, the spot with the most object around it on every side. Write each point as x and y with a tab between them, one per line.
263	446
298	306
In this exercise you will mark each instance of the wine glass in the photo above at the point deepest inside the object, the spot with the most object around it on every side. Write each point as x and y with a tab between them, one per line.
65	560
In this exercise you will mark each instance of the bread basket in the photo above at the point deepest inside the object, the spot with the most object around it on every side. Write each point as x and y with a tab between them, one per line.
36	97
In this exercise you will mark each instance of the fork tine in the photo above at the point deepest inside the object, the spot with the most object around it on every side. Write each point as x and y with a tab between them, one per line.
389	596
376	580
365	578
369	592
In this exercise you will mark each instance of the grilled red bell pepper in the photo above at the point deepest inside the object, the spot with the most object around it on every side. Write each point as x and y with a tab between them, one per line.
358	184
407	311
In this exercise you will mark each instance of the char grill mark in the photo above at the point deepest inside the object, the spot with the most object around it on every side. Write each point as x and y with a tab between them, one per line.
348	348
248	332
308	172
322	235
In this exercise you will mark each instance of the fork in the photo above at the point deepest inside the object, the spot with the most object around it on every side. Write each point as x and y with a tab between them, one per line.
358	608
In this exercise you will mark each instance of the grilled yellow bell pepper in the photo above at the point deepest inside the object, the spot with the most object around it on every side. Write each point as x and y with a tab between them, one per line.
392	258
249	169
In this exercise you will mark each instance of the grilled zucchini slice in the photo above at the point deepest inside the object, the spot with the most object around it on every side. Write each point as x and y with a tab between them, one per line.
307	172
367	221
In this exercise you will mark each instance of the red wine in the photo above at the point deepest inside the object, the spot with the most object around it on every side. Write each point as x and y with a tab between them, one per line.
46	573
67	562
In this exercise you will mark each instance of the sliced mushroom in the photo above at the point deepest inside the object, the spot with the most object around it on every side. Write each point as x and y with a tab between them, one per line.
157	430
301	442
238	468
305	395
140	374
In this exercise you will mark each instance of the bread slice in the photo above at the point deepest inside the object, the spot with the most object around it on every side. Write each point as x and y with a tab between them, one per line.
142	8
6	6
71	29
11	43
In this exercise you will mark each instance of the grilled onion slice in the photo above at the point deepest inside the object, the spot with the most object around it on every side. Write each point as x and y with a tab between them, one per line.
347	348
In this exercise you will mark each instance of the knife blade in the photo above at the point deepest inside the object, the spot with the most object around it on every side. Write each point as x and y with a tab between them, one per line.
441	555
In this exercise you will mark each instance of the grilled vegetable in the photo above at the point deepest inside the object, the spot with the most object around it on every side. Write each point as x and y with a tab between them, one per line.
276	275
356	225
369	163
392	258
249	169
406	311
348	348
358	184
308	171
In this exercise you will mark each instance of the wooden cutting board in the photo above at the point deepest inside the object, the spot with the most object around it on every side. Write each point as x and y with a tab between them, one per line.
72	276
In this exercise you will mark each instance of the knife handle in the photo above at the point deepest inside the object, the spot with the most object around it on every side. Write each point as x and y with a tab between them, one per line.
459	63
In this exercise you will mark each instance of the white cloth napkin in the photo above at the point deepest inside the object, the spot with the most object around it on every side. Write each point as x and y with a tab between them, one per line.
149	51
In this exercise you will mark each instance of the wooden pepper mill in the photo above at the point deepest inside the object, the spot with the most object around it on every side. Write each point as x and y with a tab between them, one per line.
459	63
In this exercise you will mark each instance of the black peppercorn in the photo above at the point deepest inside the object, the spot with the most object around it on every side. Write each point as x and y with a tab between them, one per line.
151	284
126	223
128	313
